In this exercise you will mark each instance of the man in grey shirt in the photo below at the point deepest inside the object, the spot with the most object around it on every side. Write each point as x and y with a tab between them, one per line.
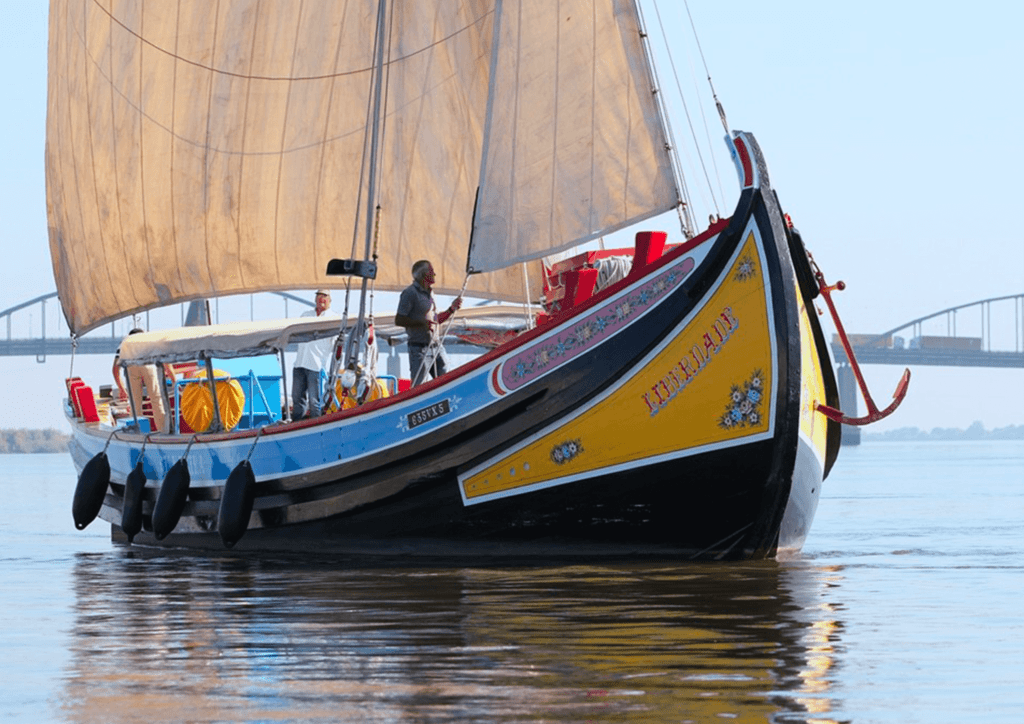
417	312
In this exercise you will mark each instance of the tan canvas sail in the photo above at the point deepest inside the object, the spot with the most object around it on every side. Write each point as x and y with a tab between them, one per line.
575	146
199	148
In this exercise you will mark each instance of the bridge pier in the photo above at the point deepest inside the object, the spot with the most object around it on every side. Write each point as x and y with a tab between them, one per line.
848	402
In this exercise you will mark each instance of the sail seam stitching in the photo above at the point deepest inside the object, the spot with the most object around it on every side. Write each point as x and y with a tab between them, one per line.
247	76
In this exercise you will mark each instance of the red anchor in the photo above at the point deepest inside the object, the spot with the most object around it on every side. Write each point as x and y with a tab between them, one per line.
874	414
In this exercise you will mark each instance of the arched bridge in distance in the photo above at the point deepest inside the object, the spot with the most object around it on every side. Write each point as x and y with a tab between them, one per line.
985	333
37	328
36	316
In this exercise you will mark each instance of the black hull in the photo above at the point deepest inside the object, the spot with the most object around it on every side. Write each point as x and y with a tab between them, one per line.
644	512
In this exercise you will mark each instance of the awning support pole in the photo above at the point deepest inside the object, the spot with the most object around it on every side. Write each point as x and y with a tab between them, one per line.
286	414
218	424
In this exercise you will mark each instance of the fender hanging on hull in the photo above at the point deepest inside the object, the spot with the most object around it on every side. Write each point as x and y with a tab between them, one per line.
236	504
170	501
91	490
131	511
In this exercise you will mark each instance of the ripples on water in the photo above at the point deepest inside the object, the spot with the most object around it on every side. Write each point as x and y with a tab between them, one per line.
902	608
259	641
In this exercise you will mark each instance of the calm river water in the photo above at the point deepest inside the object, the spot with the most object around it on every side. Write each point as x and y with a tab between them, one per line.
905	606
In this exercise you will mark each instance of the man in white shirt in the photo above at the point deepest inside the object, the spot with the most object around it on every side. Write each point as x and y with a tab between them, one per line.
310	360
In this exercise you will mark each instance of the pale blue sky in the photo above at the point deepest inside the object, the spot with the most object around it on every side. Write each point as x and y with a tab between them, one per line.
892	133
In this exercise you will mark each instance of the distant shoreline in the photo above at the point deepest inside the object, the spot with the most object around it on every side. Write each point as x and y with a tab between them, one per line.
976	431
55	441
33	441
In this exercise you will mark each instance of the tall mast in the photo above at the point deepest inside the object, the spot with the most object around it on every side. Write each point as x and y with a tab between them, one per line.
371	191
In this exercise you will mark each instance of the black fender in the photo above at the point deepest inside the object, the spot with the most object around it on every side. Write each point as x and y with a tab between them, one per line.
170	501
131	510
236	504
91	490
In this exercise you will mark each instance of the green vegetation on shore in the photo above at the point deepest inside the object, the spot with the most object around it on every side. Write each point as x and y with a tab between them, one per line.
54	441
976	431
33	441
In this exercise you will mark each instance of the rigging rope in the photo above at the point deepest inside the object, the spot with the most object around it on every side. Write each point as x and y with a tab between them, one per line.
683	206
259	432
686	112
718	105
370	164
373	257
332	378
689	120
379	96
362	182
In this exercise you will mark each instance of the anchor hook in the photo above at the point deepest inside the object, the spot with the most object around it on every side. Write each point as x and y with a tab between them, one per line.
874	414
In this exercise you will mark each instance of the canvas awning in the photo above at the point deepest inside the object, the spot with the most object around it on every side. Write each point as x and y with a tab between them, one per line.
484	327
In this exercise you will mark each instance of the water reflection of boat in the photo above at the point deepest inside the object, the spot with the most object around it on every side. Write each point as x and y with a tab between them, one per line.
238	639
674	410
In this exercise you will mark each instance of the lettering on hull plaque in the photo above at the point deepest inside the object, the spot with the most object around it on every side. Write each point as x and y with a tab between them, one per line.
426	414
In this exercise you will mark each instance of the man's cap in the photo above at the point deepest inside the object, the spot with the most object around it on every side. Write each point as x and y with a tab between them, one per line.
325	292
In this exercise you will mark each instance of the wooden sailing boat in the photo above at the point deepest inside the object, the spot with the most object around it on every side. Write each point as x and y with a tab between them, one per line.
674	411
